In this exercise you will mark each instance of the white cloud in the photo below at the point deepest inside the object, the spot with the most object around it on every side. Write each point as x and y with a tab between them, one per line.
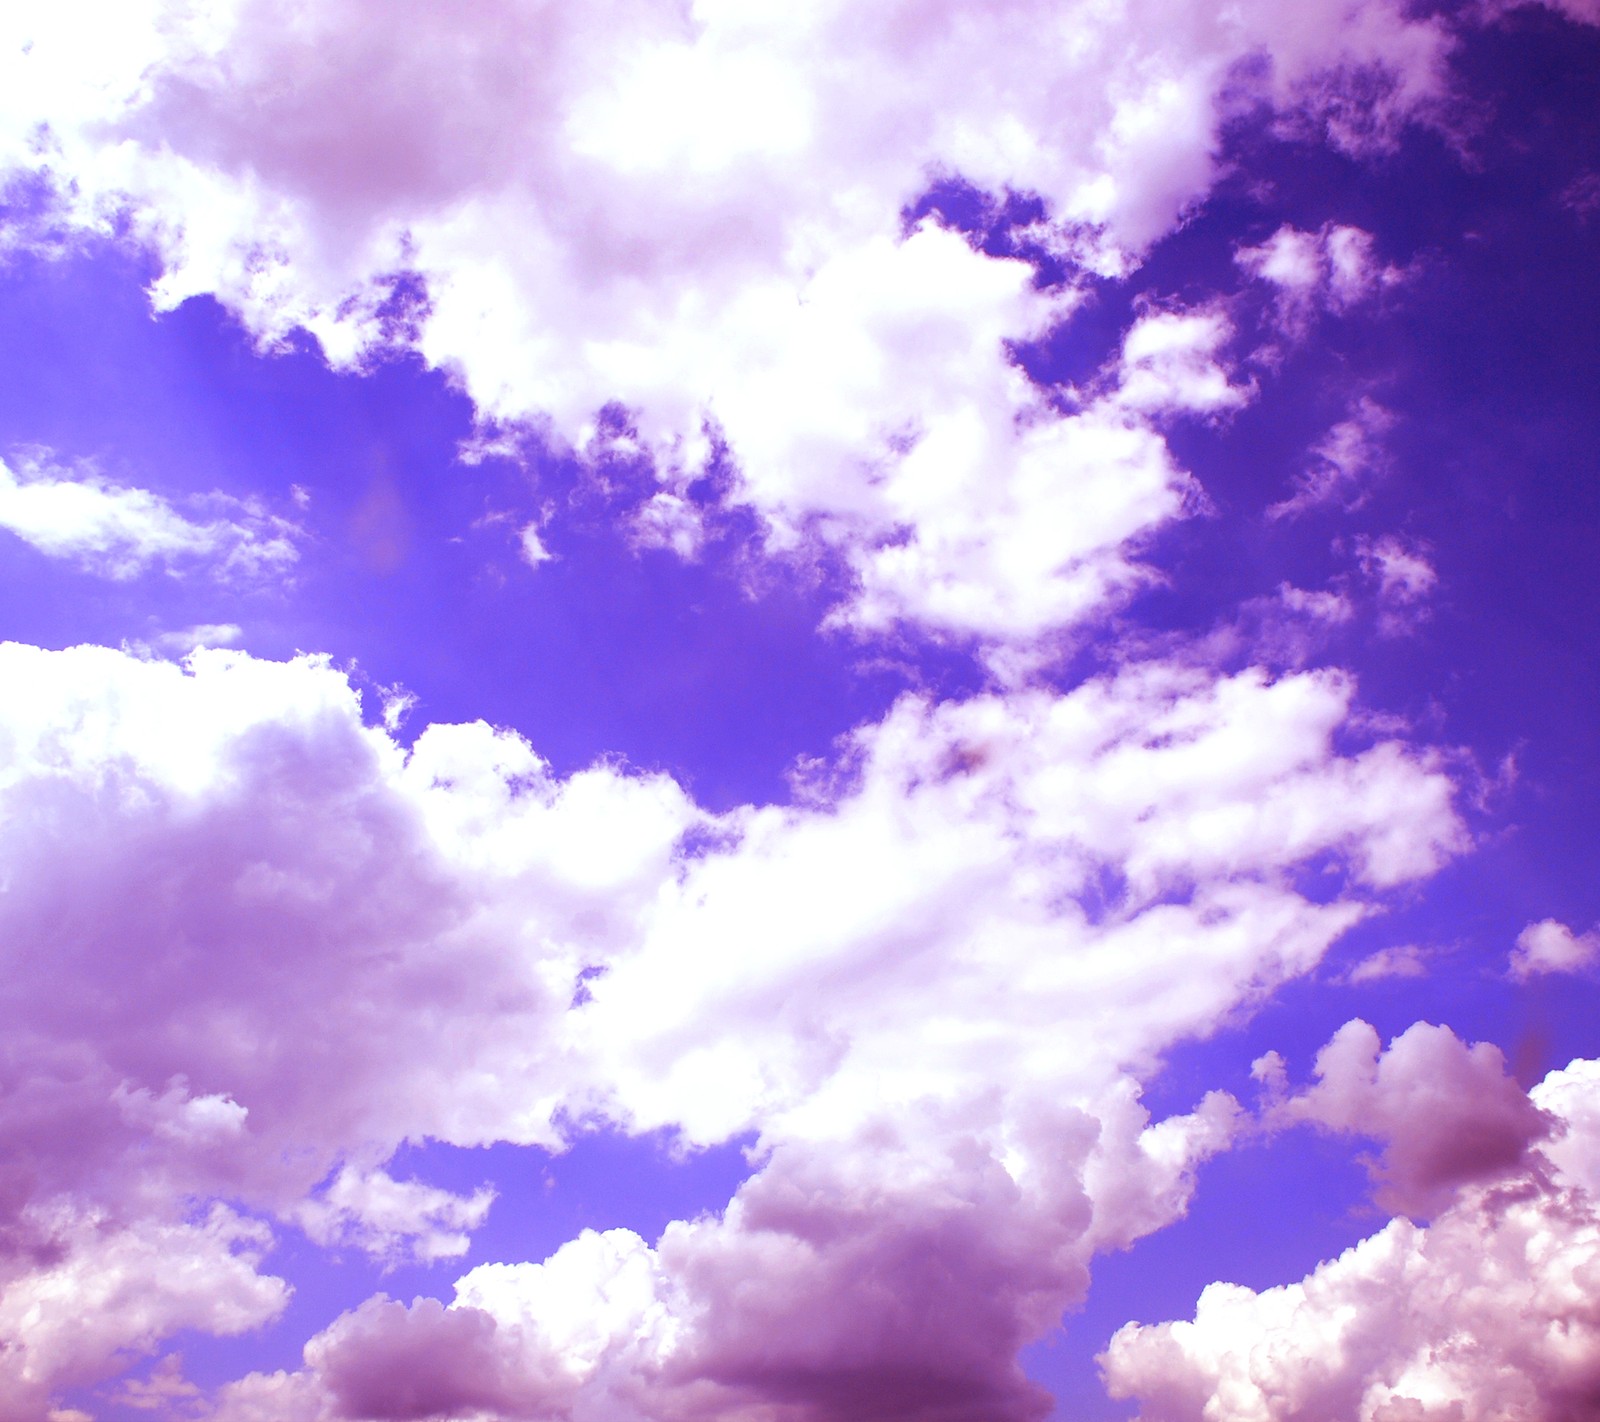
1485	1315
528	166
1405	579
100	1288
181	641
1551	947
532	546
1170	364
393	1219
120	532
890	982
1404	961
1334	269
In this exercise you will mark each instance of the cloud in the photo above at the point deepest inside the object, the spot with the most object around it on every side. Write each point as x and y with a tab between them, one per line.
165	1391
839	1284
1170	364
1405	961
1333	269
117	531
1583	11
1551	947
201	859
393	1219
887	983
1405	579
506	195
1446	1114
1343	464
204	634
81	1290
1484	1315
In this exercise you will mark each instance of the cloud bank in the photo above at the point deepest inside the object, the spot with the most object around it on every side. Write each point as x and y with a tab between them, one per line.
708	206
280	945
257	942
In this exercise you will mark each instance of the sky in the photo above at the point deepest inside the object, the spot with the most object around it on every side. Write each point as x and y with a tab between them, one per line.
799	713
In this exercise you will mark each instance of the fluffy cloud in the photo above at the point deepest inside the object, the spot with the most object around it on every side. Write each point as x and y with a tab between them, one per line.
1113	865
697	212
119	532
1445	1113
1170	364
199	863
1487	1314
1551	947
889	1275
81	1289
890	982
393	1218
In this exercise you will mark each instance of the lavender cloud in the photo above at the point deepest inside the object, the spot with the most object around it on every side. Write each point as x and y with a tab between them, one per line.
1445	1113
297	169
117	531
1483	1315
888	984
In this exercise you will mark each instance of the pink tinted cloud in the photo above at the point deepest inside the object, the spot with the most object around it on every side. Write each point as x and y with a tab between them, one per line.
1486	1314
526	167
1549	946
895	1275
1446	1114
204	857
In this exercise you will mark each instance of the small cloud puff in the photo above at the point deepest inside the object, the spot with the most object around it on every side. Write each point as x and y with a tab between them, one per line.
393	1219
1405	580
1551	947
1333	269
1171	364
1343	463
1405	961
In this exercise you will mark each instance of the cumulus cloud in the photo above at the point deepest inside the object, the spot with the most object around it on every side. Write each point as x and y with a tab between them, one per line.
118	531
81	1290
889	983
832	1287
1170	364
1445	1113
201	860
1484	1315
1549	946
697	212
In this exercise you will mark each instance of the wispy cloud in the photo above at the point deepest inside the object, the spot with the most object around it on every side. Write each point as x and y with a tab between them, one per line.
120	531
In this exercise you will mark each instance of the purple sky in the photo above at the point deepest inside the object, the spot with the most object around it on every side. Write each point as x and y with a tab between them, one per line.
824	713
